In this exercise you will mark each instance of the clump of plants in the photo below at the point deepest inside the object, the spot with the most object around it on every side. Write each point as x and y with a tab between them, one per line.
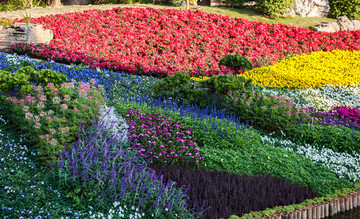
337	138
49	118
103	171
236	62
23	80
229	194
164	139
272	113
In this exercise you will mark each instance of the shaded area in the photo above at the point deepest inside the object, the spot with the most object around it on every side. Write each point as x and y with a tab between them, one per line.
352	214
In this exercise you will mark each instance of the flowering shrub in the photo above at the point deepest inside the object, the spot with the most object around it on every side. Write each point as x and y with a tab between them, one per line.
164	41
50	117
268	113
165	139
310	70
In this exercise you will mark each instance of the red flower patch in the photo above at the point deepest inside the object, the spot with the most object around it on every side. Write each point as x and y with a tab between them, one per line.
163	41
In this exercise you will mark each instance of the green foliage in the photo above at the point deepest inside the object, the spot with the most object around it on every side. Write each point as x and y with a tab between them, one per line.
279	209
275	8
268	113
350	8
9	82
13	5
23	79
236	62
339	139
179	86
6	21
222	84
276	162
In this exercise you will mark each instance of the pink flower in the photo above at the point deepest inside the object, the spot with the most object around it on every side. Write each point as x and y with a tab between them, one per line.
56	100
28	115
64	106
50	112
76	110
53	142
93	81
25	108
84	106
42	114
50	85
37	125
52	131
40	105
67	98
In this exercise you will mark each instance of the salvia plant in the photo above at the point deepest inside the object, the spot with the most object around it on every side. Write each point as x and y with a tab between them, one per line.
229	194
101	168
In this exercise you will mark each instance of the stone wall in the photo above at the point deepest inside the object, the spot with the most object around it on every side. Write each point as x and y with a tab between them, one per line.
21	33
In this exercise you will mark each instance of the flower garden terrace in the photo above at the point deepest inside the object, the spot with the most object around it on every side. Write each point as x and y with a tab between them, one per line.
163	41
297	138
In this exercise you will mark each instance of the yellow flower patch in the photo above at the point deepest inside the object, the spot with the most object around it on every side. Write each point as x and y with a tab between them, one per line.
200	78
338	67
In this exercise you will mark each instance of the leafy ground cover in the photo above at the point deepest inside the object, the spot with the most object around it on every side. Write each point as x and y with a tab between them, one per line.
167	43
229	131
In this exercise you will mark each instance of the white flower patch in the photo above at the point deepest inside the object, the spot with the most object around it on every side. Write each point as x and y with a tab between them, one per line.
114	122
321	98
330	96
343	164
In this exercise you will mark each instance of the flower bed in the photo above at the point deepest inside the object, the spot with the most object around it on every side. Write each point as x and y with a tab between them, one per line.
163	41
109	175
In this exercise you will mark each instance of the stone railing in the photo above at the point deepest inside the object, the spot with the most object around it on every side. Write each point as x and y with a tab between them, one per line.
21	33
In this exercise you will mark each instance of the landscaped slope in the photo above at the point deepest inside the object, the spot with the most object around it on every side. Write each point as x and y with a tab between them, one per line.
163	41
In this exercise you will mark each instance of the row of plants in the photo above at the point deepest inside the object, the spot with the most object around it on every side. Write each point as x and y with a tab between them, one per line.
165	43
211	139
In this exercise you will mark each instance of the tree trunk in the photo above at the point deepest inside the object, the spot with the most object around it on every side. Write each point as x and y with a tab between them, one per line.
187	4
56	3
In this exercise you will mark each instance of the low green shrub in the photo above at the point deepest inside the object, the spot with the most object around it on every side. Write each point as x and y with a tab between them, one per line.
279	209
339	139
276	162
23	79
267	113
236	62
350	8
223	84
275	8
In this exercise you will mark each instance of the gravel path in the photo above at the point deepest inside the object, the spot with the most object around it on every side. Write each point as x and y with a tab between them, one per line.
43	11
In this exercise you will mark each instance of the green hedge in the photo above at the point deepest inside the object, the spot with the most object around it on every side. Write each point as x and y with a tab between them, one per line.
350	8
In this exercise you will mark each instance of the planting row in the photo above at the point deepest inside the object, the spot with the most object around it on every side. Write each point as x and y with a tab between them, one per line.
163	41
115	155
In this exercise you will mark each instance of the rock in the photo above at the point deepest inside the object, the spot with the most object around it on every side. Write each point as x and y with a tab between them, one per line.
328	27
343	23
21	33
310	8
356	24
